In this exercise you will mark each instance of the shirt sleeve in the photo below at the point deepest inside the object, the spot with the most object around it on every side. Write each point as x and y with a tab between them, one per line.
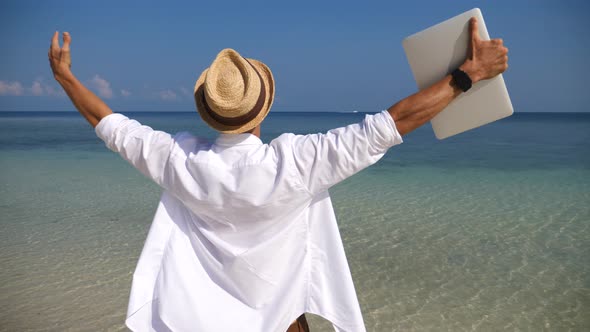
323	160
146	149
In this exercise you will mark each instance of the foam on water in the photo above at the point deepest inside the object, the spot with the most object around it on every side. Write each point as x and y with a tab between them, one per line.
483	232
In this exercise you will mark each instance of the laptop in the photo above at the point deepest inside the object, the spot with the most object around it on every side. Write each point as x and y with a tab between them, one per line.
434	53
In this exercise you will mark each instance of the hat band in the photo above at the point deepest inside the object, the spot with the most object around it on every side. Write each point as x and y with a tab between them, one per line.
242	119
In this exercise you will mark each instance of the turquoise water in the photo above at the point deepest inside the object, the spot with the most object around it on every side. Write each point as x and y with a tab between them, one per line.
485	231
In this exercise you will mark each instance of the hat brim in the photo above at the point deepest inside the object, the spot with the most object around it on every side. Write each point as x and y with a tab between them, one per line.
269	85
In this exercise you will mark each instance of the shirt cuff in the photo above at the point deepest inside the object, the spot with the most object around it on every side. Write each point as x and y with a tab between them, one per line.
107	125
387	120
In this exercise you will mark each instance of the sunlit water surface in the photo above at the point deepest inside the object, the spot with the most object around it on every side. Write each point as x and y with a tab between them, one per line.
485	231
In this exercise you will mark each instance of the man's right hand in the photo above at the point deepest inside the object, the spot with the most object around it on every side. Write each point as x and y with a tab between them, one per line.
59	57
485	58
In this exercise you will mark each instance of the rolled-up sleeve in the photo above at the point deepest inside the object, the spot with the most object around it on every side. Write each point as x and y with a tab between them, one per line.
323	160
146	149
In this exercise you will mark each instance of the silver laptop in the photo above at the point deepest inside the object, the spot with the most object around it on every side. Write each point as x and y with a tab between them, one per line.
437	51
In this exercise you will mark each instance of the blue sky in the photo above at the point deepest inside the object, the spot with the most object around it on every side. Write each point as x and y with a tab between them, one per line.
325	56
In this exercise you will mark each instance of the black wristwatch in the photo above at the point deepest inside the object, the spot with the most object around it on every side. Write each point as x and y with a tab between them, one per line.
461	79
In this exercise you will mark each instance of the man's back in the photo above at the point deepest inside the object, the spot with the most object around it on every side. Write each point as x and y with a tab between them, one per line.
245	226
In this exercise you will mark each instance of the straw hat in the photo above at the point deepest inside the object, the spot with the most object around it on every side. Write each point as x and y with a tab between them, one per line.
234	94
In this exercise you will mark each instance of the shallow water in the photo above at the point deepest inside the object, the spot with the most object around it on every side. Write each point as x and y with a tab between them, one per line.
486	231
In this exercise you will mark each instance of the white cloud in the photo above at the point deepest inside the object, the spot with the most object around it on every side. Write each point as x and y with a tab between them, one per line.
37	89
102	86
185	91
125	93
51	91
168	95
11	88
40	88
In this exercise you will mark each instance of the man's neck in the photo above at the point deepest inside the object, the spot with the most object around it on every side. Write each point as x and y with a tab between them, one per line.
255	131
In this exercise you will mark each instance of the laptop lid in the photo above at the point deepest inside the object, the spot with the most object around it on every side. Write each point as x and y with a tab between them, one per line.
434	53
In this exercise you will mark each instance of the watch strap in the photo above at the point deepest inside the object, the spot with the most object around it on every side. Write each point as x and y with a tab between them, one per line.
461	79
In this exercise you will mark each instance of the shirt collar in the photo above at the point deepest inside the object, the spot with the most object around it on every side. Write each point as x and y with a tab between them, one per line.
238	139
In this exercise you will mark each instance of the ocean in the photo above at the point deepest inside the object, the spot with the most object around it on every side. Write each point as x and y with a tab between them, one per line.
485	231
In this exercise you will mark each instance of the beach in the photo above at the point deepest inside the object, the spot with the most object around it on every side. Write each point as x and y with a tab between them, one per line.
485	231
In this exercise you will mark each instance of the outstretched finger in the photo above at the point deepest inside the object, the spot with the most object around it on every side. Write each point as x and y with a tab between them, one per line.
471	46
473	29
54	49
67	40
497	41
55	42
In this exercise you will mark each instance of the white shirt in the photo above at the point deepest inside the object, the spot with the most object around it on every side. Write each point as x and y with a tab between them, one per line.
245	237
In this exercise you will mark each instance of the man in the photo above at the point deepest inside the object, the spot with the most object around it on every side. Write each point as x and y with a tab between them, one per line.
245	237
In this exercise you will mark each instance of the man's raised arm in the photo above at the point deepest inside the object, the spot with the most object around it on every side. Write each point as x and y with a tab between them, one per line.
486	59
87	103
146	149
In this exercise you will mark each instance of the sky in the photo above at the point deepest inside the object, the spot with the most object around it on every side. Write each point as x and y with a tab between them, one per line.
325	56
